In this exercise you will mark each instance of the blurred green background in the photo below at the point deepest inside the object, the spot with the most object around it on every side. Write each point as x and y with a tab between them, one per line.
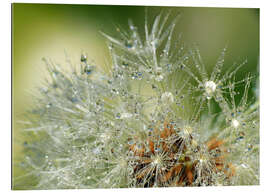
47	30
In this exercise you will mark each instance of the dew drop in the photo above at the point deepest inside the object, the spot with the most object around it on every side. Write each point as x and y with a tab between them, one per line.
96	151
235	123
157	149
88	69
125	64
154	86
210	88
182	66
118	116
48	105
83	58
128	44
167	98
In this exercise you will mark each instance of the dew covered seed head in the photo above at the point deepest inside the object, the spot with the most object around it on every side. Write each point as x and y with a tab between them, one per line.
123	130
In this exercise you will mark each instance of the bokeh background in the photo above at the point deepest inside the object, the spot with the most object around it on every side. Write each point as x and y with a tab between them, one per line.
51	30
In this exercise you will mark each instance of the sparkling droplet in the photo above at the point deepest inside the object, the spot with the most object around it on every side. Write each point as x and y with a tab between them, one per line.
83	58
88	69
125	64
182	66
157	149
136	75
126	115
249	147
167	98
235	123
48	105
159	78
154	43
118	116
210	88
241	136
158	70
128	44
96	151
154	86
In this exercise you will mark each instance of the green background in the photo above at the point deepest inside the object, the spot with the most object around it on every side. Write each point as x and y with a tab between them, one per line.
48	30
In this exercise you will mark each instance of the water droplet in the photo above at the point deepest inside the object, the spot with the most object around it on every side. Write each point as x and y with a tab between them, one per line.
96	150
241	136
210	88
118	115
169	66
130	142
159	78
74	99
182	66
125	64
167	98
126	115
249	147
154	86
128	44
48	105
83	58
158	71
157	149
154	42
136	75
110	46
235	123
88	69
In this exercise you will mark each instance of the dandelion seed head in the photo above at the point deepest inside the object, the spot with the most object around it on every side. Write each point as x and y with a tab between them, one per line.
111	130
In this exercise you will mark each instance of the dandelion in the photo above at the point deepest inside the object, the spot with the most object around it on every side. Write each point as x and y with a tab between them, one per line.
133	124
